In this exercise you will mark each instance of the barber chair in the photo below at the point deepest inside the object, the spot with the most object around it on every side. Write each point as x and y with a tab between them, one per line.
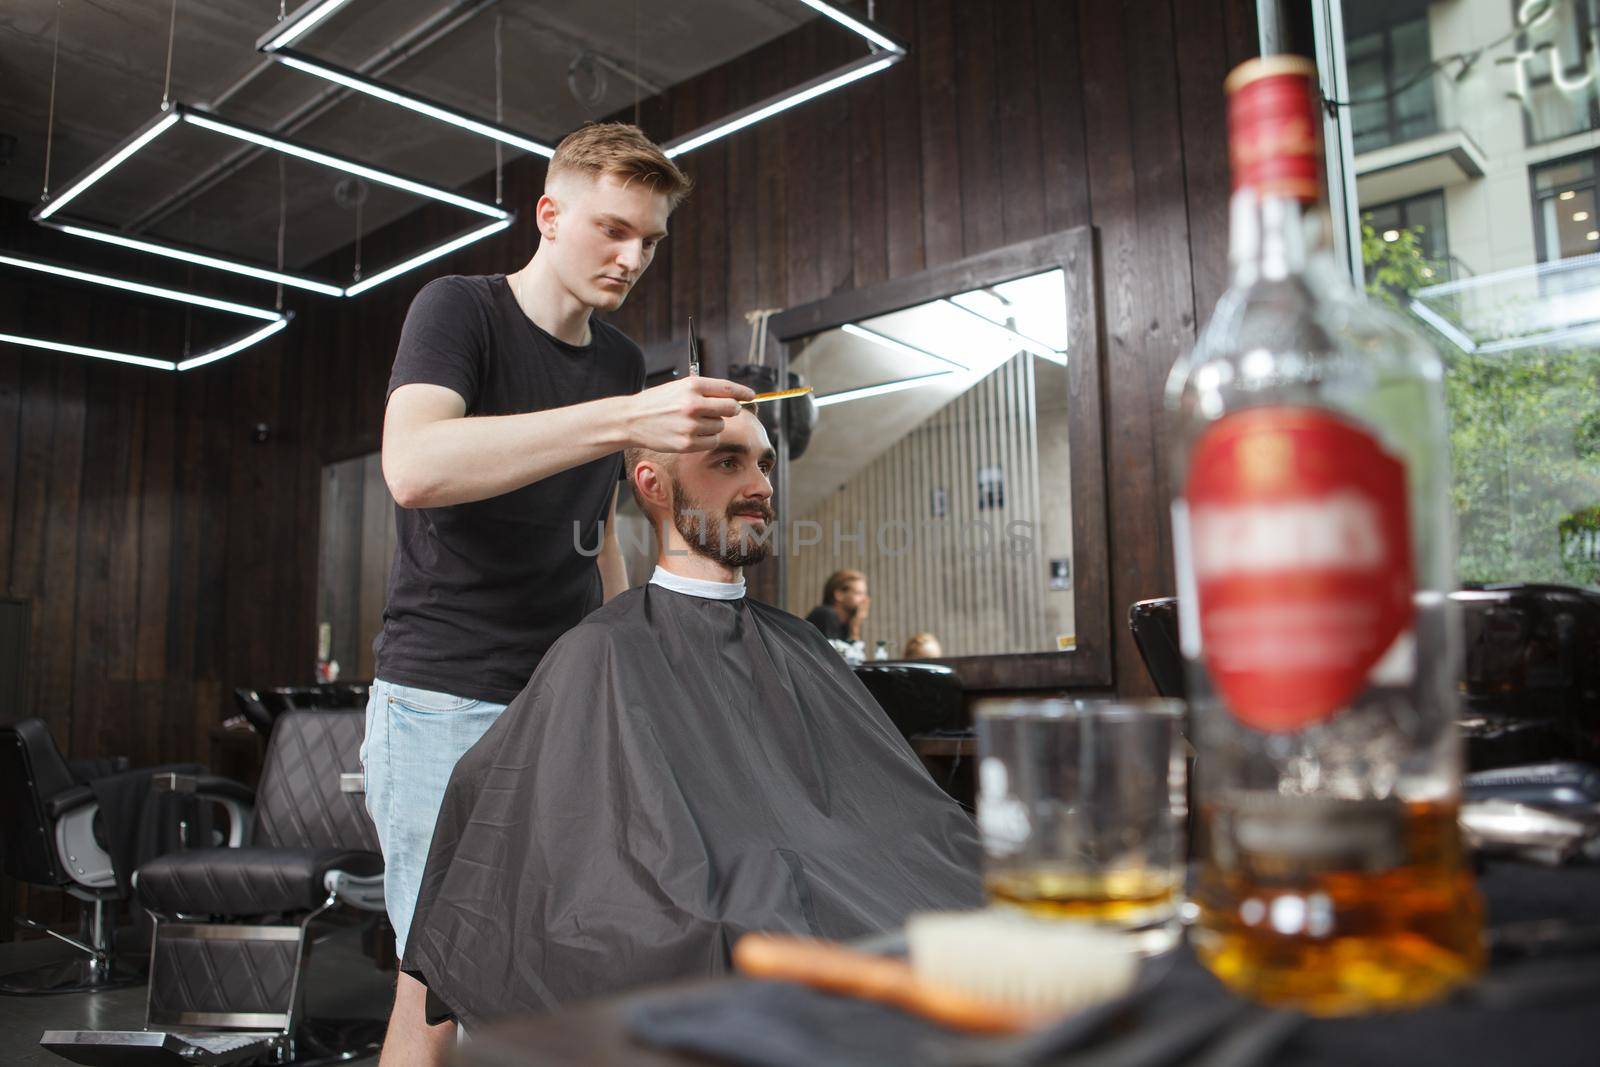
235	927
1530	679
919	698
52	834
1530	682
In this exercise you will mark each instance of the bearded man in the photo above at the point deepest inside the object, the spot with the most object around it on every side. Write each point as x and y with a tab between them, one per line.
685	766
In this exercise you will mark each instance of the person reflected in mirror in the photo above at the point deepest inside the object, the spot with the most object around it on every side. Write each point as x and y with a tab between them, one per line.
844	606
922	646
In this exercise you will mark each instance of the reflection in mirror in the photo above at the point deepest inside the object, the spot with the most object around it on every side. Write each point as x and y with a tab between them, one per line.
356	547
938	468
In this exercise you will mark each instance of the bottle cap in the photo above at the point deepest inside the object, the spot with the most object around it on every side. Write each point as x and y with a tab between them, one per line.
1274	145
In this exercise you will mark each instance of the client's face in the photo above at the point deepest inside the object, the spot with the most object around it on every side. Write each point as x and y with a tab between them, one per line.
722	499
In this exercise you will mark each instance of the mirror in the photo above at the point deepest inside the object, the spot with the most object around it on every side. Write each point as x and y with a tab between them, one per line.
938	468
957	461
355	549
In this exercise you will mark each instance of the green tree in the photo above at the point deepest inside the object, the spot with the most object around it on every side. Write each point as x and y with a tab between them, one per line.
1524	438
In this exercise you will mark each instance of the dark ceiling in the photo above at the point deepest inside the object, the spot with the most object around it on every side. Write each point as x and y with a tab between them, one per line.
564	62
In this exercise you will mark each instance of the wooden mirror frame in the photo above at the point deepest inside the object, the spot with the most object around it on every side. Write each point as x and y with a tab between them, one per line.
1074	253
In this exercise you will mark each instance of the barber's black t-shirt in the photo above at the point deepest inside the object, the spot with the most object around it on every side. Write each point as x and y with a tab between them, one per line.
478	592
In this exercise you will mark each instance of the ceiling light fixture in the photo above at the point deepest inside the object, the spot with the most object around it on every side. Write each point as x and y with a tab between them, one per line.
1028	344
94	353
143	136
898	346
855	25
173	114
299	21
60	271
420	104
276	320
200	259
823	83
460	241
349	166
880	390
884	52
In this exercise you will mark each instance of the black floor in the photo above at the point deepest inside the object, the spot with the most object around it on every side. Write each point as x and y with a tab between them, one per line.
344	984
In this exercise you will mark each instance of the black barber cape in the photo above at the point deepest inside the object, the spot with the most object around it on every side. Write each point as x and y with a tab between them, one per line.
677	772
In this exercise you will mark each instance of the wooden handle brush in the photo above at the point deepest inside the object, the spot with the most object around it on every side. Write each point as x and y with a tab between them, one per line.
983	972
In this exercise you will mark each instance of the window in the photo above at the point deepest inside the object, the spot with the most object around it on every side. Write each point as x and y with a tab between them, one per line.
1519	332
1393	95
1424	216
1565	207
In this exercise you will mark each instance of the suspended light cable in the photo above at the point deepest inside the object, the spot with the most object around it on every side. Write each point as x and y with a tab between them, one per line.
499	109
172	35
50	119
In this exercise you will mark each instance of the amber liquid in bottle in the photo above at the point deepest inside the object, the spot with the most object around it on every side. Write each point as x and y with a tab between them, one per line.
1341	941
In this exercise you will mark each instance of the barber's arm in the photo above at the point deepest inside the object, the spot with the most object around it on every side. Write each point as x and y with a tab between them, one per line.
613	571
434	455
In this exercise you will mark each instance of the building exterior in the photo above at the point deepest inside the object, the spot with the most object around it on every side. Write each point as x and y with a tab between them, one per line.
1476	134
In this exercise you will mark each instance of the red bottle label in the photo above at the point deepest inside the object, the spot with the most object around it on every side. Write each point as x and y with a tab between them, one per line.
1300	549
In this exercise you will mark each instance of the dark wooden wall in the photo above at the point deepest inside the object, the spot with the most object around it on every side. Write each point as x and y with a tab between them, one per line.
169	556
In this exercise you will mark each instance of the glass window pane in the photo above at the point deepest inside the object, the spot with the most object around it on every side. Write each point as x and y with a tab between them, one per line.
1484	216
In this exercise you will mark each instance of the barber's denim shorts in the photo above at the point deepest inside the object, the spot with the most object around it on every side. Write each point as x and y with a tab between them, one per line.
414	738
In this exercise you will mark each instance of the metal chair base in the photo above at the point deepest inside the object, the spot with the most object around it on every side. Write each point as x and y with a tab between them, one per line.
70	976
162	1048
317	1044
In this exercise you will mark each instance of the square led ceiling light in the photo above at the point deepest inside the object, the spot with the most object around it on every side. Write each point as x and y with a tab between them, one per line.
273	320
50	212
883	51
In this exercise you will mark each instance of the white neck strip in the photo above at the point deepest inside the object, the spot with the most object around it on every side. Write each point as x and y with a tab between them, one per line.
698	586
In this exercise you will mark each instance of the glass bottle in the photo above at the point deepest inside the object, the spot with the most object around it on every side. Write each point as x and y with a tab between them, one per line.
1314	544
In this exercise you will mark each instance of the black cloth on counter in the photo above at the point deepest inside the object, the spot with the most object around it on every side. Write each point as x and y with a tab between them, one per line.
1538	1011
137	823
678	772
478	591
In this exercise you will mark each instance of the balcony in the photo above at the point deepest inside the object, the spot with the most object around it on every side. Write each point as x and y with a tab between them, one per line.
1415	142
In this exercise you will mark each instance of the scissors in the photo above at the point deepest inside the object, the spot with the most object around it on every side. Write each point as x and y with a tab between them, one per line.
694	351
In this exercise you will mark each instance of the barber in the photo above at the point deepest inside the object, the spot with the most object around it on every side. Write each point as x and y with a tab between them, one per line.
509	407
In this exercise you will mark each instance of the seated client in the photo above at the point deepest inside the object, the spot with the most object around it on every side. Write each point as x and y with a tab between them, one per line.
685	765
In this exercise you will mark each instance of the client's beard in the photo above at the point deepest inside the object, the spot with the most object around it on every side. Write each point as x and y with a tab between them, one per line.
711	536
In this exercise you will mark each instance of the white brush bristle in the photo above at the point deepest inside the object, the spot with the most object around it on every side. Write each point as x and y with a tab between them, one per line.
1024	962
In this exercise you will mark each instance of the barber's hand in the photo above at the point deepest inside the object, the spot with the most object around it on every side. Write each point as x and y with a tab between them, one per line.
686	415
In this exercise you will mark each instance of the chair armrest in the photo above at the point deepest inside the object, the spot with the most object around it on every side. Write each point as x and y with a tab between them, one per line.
234	797
206	786
68	800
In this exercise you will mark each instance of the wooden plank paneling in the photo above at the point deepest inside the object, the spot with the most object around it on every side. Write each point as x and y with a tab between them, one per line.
902	150
935	56
1061	130
977	133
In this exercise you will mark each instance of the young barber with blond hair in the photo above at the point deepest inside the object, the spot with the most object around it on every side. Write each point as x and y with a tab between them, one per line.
509	409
